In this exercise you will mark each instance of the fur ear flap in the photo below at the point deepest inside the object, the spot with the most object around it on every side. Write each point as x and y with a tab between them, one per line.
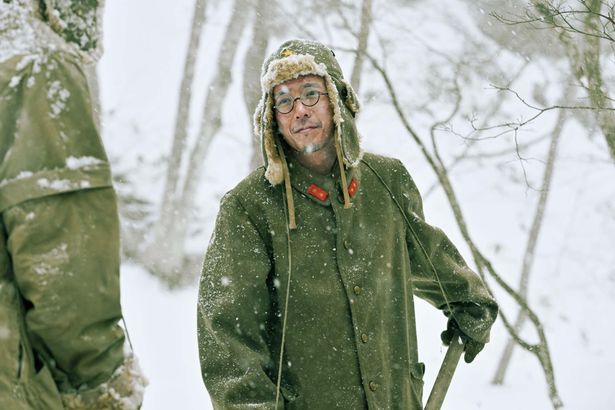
275	170
351	101
264	128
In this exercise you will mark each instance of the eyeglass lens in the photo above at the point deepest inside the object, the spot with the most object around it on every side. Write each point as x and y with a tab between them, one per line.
309	97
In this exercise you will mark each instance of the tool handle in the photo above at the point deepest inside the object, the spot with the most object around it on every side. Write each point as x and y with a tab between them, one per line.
445	375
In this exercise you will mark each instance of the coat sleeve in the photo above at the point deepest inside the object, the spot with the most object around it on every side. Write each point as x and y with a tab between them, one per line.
59	211
49	141
233	308
64	251
439	273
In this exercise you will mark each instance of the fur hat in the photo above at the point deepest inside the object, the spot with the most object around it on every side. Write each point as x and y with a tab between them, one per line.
291	60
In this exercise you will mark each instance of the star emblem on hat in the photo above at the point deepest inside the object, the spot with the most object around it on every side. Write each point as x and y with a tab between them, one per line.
287	52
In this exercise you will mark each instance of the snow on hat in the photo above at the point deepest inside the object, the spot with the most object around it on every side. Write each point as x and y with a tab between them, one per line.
297	58
293	59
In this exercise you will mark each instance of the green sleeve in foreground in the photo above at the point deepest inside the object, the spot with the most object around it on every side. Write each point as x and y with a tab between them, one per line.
65	258
49	142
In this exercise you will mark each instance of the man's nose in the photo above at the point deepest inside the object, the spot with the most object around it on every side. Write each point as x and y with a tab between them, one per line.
301	110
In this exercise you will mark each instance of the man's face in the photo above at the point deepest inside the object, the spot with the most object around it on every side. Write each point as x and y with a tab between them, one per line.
305	129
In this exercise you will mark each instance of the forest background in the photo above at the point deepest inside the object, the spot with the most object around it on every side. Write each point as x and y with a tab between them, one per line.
501	110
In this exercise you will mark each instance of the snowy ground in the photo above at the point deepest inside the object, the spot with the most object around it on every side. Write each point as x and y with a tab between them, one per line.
573	291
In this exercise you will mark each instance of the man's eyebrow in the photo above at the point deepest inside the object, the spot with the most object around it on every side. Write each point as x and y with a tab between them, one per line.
303	86
306	85
281	92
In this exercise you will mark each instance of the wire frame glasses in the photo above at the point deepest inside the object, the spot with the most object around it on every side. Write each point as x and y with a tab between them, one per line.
308	98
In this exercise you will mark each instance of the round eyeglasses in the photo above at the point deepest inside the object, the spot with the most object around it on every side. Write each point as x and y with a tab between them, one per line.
286	103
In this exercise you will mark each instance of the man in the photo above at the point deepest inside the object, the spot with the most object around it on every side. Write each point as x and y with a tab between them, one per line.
61	346
306	295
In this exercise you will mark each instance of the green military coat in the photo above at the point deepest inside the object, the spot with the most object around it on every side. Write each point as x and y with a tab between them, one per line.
59	236
350	340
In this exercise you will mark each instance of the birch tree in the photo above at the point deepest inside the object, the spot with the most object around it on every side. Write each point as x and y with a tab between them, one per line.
363	36
256	53
163	252
166	256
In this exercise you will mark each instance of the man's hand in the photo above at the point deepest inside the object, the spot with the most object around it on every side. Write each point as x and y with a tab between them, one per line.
471	346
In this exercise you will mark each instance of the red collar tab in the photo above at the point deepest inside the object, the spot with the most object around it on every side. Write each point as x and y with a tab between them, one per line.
353	187
318	193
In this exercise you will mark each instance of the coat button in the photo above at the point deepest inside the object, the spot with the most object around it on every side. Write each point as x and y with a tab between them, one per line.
357	290
373	386
346	244
364	337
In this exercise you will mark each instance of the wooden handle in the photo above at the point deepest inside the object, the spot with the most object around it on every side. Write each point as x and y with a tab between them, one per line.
445	375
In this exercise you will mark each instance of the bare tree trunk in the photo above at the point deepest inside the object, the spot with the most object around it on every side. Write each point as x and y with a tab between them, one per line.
252	69
595	83
164	251
530	250
183	111
357	69
210	124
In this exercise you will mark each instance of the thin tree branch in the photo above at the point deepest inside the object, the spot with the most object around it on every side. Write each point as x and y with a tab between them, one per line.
541	349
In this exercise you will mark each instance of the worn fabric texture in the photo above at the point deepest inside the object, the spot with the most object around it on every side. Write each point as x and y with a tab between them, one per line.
59	231
350	338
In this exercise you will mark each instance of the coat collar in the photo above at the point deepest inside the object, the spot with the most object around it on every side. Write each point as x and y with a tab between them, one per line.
322	189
